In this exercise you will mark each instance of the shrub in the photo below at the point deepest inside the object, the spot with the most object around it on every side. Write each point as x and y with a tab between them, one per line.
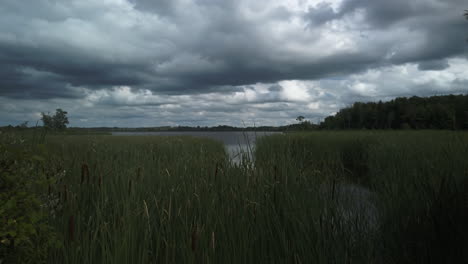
25	235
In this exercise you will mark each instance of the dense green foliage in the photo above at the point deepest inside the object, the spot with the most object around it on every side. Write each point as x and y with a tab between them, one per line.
321	197
25	233
436	112
58	121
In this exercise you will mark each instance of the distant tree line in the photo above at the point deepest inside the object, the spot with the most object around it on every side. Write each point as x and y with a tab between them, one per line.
219	128
436	112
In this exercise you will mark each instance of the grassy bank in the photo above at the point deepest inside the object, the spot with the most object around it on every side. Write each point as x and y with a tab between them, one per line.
323	197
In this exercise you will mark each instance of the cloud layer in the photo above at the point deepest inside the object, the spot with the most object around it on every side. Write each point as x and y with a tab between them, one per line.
208	62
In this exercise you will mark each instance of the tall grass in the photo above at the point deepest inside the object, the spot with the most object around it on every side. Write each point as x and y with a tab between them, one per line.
322	197
419	182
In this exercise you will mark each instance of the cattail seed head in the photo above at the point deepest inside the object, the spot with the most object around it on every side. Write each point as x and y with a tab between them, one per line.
213	240
84	172
194	238
100	180
71	228
275	173
333	189
129	186
139	173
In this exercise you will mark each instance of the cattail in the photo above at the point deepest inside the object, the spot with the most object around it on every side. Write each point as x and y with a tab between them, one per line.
333	189
71	228
213	240
65	192
275	173
84	173
216	171
100	180
194	238
129	186
139	173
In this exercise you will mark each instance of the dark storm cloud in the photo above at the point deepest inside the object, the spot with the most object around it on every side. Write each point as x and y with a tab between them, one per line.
434	65
440	41
275	88
225	56
30	83
161	7
382	13
240	71
322	13
440	23
213	44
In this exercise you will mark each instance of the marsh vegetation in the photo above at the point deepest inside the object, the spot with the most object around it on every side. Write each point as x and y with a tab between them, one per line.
318	197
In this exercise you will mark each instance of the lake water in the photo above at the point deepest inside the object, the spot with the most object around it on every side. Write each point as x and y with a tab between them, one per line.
237	143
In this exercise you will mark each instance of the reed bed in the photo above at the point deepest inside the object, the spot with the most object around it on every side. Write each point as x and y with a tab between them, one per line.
322	197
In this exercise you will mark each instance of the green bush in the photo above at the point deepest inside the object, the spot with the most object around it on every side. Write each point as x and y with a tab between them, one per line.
25	235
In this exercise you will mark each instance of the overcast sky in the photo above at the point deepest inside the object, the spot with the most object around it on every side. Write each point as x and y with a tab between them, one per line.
134	63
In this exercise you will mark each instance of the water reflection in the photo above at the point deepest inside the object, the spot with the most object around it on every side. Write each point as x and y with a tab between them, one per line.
238	144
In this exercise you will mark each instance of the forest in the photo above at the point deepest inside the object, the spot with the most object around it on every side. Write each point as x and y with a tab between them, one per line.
435	112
